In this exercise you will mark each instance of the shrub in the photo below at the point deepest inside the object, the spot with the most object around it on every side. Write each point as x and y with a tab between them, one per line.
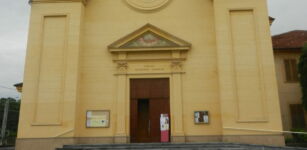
299	137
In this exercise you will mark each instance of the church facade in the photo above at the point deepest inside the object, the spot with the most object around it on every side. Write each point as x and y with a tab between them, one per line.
104	71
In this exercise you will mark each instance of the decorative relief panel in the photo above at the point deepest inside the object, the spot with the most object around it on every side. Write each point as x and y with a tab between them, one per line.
176	66
149	39
122	67
147	5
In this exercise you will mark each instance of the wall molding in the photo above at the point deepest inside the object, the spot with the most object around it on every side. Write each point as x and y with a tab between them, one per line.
56	1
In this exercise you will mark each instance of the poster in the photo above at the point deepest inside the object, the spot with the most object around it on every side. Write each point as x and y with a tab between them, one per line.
164	122
97	119
201	117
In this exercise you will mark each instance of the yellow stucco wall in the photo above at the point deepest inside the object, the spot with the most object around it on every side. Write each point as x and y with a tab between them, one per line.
228	71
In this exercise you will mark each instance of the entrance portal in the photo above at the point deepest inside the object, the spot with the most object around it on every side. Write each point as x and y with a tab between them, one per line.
149	98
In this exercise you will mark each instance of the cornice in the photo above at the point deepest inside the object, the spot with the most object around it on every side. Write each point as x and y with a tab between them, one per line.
56	1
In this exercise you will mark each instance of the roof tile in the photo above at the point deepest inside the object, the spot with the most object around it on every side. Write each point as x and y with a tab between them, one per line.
290	40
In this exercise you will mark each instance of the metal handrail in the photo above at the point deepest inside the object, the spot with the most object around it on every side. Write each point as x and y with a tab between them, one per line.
263	130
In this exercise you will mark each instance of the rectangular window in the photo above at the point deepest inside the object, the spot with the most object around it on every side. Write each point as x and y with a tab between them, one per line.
291	70
297	116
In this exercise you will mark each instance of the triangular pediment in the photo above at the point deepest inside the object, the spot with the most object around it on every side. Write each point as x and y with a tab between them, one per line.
149	37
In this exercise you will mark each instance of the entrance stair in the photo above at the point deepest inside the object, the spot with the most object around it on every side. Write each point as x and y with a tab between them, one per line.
175	146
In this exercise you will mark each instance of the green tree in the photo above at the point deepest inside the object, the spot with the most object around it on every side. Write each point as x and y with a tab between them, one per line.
302	69
13	117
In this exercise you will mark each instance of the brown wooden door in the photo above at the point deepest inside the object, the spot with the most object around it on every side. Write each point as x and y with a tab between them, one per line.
149	99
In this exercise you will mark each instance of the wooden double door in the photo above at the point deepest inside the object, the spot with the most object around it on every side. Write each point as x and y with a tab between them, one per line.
149	98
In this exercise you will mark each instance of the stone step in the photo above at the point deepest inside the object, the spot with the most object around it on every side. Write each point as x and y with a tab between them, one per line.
160	147
153	148
157	148
174	146
148	145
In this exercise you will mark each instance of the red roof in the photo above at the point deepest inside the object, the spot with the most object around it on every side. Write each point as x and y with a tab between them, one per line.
290	40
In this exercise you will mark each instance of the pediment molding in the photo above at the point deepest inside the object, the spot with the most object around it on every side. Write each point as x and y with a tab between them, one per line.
149	38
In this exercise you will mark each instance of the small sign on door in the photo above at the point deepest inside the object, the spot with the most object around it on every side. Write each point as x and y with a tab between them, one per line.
164	127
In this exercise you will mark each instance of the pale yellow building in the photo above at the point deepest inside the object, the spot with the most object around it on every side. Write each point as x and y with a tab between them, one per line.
287	51
102	71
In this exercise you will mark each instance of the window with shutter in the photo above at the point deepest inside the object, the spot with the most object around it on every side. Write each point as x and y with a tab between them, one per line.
297	116
291	70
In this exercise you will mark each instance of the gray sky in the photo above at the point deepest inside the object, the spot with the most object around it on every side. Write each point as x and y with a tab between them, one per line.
14	14
289	14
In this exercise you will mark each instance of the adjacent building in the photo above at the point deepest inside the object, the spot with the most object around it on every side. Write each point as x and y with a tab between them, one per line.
287	50
103	71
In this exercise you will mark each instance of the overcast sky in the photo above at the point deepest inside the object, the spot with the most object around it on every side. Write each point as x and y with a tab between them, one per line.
14	14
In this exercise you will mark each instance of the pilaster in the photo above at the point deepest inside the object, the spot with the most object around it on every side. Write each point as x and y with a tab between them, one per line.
120	133
178	131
